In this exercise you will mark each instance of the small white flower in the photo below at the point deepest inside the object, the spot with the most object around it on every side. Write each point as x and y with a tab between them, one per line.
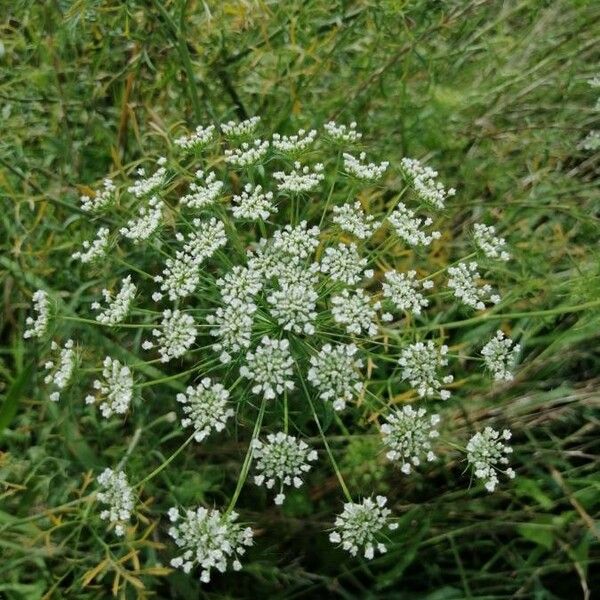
423	180
115	390
343	263
402	289
294	143
408	226
247	154
298	242
464	279
118	495
208	539
241	129
420	363
488	454
61	374
355	311
591	142
41	305
202	194
352	218
293	307
118	307
196	141
181	274
146	186
343	133
206	407
232	325
95	249
282	461
270	367
146	223
102	199
500	356
487	241
239	286
408	434
176	335
253	203
361	527
361	169
299	179
335	372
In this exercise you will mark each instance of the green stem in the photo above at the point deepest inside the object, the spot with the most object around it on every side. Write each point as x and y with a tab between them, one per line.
248	459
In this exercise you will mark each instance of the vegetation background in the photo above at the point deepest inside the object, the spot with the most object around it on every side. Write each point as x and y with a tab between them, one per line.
495	95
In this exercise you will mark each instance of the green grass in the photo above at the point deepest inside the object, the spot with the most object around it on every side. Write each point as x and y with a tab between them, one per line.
495	96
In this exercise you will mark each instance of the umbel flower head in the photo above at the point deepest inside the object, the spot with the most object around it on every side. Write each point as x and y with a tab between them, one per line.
361	527
408	434
41	305
206	407
282	461
500	355
208	539
270	368
488	455
118	495
335	372
115	390
240	269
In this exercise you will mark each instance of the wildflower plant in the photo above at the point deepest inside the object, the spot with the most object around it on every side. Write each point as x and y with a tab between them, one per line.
266	284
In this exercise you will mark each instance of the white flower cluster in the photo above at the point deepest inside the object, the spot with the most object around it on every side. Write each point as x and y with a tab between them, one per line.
343	133
102	198
270	368
181	274
241	129
247	154
115	389
60	374
232	325
239	286
361	169
361	527
41	305
282	459
197	140
202	194
299	179
352	218
425	184
293	307
591	142
356	311
487	454
253	203
298	242
146	223
94	249
499	356
208	539
487	241
176	335
408	434
408	226
118	495
335	372
403	290
146	186
464	279
343	263
118	307
206	407
420	363
290	144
